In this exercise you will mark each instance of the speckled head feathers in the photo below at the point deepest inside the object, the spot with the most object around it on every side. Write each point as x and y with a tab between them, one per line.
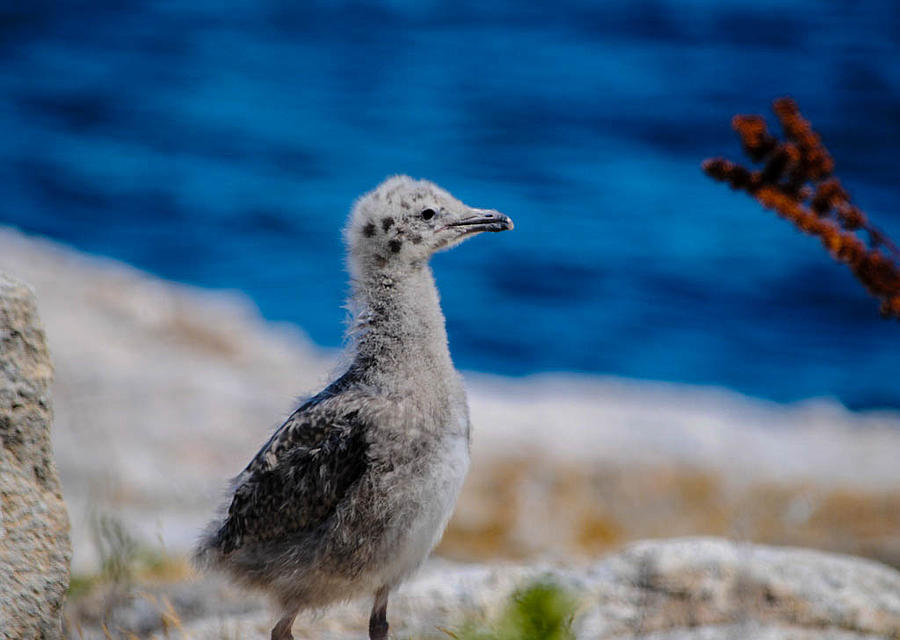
402	222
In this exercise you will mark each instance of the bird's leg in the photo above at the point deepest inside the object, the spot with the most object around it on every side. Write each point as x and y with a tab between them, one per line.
282	630
378	624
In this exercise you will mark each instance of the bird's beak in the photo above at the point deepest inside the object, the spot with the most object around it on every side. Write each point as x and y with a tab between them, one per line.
483	220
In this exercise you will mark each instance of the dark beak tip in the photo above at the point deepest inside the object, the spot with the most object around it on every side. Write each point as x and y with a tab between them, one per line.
493	221
503	222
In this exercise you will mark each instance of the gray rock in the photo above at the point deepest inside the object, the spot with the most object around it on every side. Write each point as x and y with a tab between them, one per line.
561	465
34	527
755	631
682	589
662	586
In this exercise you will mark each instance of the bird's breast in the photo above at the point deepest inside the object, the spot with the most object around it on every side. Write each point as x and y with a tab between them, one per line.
427	497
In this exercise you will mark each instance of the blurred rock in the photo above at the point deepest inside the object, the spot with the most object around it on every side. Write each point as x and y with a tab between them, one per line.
684	589
146	607
663	585
163	391
34	527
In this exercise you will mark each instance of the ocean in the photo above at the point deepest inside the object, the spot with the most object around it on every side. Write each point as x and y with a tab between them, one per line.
222	145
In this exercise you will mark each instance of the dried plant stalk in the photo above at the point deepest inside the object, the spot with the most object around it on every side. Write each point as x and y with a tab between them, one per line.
796	181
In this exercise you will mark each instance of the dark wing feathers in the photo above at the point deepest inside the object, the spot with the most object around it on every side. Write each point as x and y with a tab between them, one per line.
298	478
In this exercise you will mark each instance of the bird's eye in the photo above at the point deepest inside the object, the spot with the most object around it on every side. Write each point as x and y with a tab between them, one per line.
428	214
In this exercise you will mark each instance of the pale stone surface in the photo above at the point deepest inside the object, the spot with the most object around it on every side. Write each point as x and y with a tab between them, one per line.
683	589
160	392
163	391
659	585
34	528
754	631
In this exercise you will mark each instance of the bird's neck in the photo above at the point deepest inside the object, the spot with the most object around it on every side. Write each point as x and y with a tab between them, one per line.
398	330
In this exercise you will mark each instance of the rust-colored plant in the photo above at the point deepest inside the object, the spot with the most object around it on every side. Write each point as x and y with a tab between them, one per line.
796	181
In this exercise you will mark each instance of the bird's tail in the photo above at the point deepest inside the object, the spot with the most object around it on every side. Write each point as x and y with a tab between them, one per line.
208	552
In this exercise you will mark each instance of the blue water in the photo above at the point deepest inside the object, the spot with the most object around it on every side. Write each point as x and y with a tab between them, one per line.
221	144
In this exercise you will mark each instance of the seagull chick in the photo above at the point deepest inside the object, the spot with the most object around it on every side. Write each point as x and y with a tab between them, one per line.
350	495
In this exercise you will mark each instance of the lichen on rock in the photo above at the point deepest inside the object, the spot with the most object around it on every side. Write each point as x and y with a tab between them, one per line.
35	549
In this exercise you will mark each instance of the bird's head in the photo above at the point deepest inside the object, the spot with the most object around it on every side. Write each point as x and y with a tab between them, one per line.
402	222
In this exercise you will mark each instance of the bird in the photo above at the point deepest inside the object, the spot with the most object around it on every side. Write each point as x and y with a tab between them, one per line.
349	496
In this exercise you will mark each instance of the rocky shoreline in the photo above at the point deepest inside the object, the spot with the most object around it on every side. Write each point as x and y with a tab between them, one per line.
690	589
162	391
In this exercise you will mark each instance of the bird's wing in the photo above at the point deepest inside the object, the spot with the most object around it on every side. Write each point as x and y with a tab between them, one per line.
299	476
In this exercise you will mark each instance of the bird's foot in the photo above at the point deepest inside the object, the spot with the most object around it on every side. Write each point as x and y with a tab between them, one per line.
378	630
282	630
378	624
